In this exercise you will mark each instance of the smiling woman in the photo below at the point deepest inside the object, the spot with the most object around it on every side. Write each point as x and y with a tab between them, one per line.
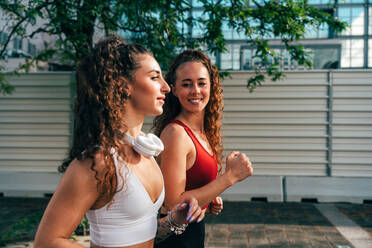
193	87
111	175
190	129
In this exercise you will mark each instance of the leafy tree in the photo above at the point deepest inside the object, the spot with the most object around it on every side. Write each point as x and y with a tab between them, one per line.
165	27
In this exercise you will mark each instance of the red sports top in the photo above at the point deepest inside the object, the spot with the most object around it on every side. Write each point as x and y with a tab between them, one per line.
205	167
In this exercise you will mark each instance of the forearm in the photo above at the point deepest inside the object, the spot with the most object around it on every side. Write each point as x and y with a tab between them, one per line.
210	191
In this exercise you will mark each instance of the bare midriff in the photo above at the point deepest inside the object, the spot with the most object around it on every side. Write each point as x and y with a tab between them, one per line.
147	244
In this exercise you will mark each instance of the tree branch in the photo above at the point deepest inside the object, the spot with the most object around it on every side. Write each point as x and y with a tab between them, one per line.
19	23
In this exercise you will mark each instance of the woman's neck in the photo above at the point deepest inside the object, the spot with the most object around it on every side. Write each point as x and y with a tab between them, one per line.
133	122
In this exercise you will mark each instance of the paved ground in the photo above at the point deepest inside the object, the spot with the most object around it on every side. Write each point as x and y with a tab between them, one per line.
242	224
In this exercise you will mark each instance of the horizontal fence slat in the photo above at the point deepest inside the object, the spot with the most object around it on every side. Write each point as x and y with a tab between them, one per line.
284	127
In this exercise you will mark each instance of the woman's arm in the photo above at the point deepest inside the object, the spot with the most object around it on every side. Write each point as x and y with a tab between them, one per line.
75	194
178	148
183	213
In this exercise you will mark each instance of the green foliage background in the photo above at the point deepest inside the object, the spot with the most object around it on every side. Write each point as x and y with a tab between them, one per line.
165	27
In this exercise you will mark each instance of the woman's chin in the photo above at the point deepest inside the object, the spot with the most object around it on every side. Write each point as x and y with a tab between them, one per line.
156	112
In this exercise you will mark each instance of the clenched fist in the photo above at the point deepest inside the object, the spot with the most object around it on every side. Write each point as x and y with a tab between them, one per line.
238	166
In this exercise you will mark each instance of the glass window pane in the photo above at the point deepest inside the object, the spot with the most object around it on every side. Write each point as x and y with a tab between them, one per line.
197	29
230	60
354	16
352	53
323	31
344	13
345	54
370	53
357	21
236	57
352	1
247	59
370	21
197	3
226	30
208	53
3	37
226	62
314	1
326	58
239	35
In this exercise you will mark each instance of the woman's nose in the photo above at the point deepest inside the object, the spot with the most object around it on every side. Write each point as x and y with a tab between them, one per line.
165	87
195	89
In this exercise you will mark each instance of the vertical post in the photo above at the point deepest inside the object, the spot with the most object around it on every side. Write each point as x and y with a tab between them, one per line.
284	189
329	122
189	28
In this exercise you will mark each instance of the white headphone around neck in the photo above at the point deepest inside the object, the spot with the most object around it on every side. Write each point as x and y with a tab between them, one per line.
148	144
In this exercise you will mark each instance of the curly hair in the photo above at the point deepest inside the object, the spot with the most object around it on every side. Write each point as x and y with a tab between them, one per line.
213	110
102	82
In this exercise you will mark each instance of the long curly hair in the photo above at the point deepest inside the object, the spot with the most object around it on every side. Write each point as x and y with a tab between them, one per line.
102	82
213	110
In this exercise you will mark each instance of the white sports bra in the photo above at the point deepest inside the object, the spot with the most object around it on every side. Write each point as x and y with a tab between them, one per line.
132	216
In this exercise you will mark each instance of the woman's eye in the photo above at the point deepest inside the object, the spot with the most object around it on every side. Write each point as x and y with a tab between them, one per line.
155	78
202	83
186	85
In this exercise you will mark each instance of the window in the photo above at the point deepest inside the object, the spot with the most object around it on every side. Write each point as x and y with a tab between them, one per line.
352	53
320	2
31	49
348	50
230	58
322	57
354	16
370	21
17	44
370	53
352	1
197	3
3	37
326	57
227	31
321	32
198	30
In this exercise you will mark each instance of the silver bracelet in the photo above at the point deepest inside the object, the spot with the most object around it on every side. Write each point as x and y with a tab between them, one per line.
174	227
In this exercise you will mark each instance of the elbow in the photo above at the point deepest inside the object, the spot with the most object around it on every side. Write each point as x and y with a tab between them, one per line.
42	242
171	202
169	205
39	244
38	241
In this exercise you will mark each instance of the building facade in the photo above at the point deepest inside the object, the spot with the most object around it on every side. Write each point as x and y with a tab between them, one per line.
351	49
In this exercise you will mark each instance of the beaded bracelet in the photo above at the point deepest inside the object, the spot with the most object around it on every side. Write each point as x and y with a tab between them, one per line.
176	228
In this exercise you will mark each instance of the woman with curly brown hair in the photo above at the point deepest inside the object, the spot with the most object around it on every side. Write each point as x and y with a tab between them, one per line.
190	130
110	174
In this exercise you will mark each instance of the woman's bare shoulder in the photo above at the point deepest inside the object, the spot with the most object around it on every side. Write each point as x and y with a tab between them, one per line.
84	169
173	130
175	138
